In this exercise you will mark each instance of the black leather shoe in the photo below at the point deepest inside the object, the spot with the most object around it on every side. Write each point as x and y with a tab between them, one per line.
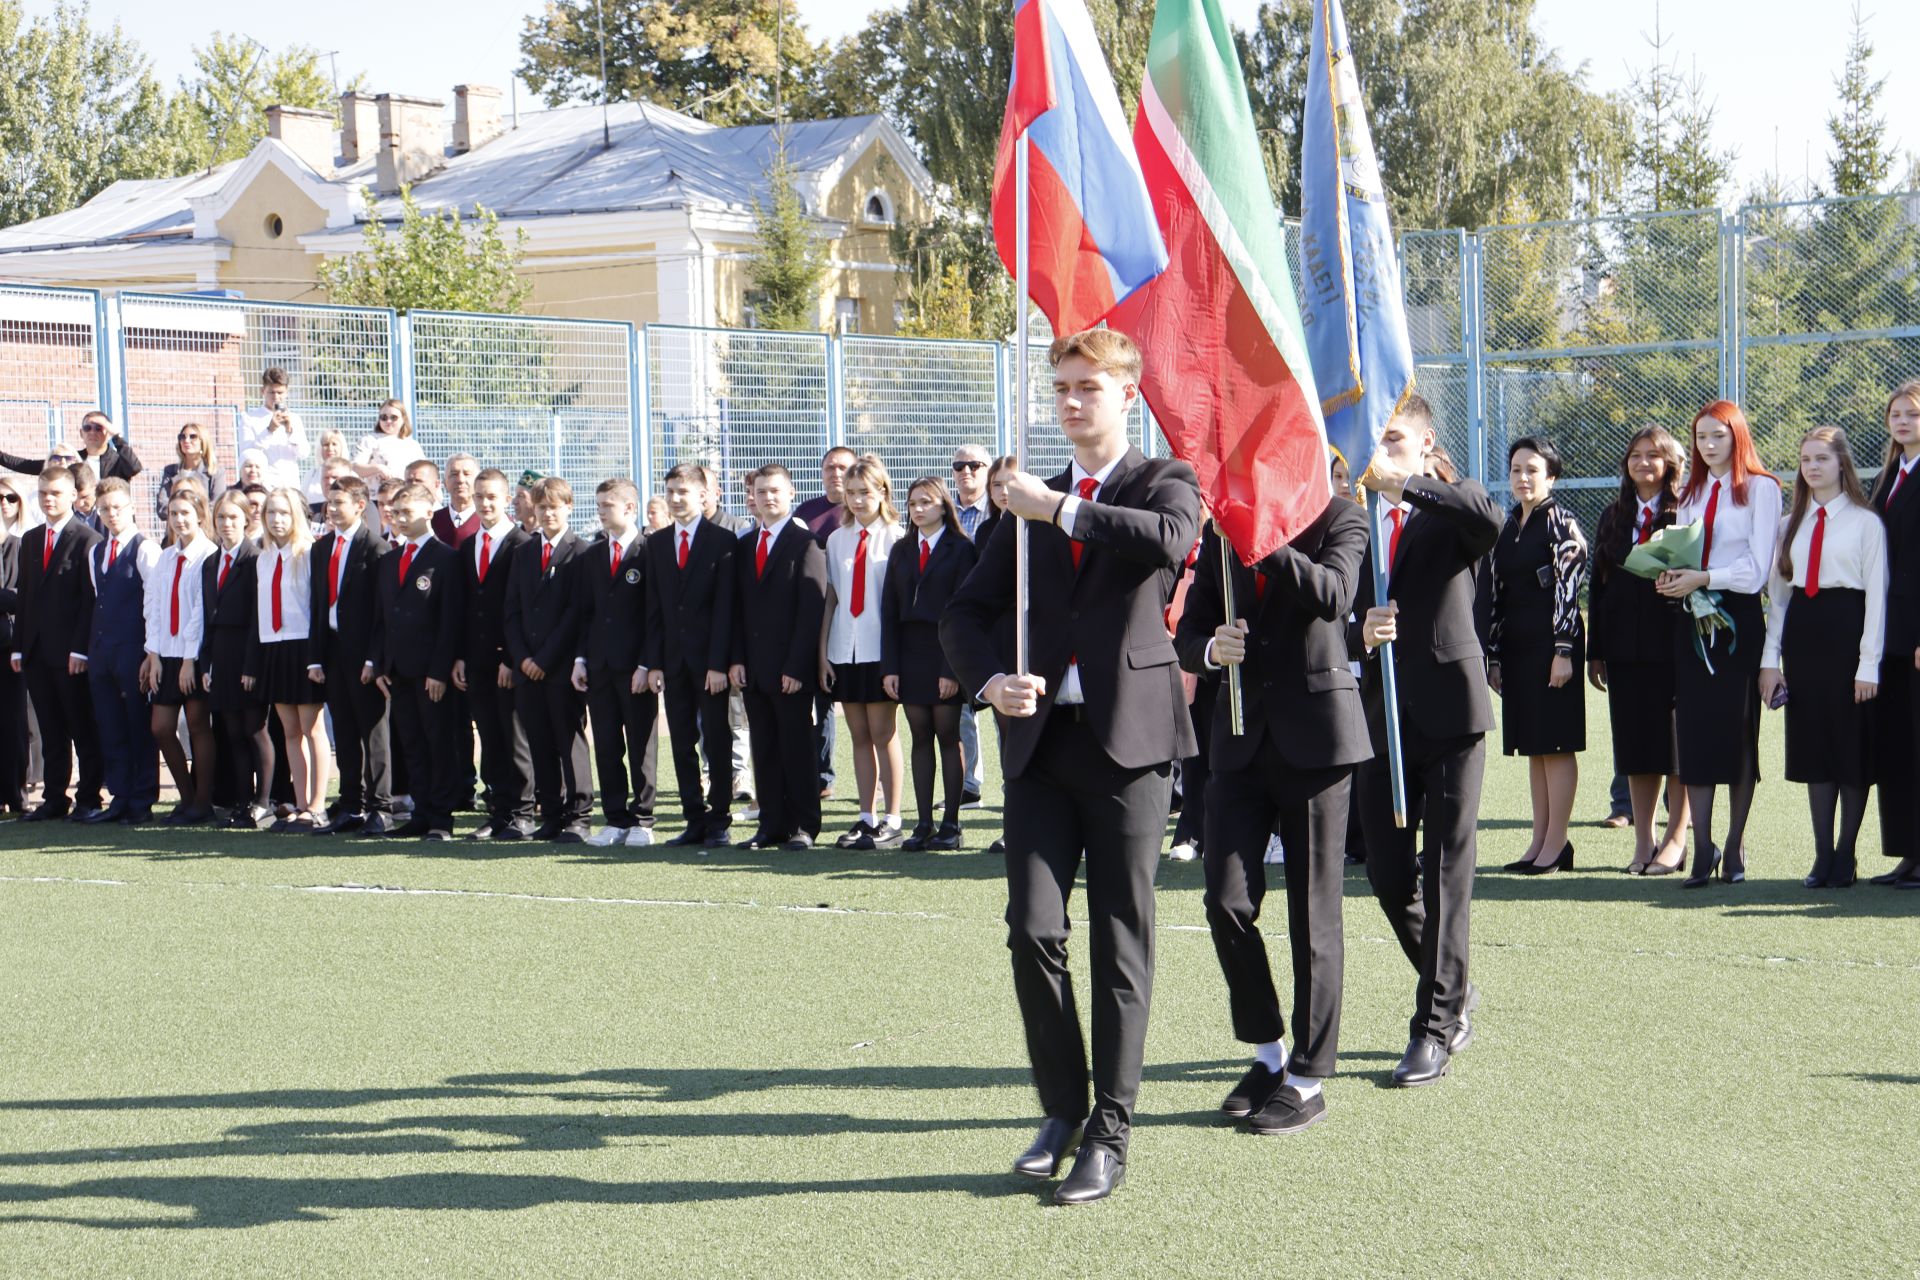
1252	1092
112	813
998	846
759	840
344	825
1894	876
884	835
44	813
855	834
1562	863
546	831
946	839
572	833
718	839
922	833
1845	872
1097	1173
1462	1035
1288	1112
377	825
691	838
510	832
1908	882
1050	1147
189	815
798	842
1702	877
412	829
139	817
1425	1063
88	813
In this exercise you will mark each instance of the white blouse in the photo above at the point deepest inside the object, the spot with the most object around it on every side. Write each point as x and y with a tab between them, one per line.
390	454
294	599
851	639
162	639
1744	537
284	450
1853	556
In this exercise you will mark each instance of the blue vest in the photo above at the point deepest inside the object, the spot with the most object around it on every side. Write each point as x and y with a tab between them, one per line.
119	615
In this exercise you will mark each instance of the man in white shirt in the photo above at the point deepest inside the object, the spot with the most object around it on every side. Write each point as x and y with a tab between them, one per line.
276	431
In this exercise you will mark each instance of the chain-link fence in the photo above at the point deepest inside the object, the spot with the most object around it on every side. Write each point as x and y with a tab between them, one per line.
914	401
50	372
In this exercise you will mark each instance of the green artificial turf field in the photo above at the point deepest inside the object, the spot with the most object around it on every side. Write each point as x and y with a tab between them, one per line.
234	1055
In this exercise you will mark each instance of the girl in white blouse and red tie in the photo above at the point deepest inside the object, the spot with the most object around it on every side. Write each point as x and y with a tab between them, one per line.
1825	623
1717	711
175	617
850	647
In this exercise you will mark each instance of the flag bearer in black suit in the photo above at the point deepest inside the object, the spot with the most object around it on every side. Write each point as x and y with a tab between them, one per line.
782	577
1436	533
689	646
484	669
1291	771
544	610
418	634
345	610
613	608
50	648
1091	735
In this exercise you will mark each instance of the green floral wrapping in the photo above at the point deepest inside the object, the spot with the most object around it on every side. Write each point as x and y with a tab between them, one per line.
1678	547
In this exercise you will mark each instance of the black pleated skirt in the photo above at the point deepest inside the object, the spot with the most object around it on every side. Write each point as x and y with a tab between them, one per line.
857	682
1640	709
168	694
226	659
283	678
1829	735
1717	712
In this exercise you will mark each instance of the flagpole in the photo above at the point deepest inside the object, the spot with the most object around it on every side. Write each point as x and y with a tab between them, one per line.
1236	714
1020	396
1389	678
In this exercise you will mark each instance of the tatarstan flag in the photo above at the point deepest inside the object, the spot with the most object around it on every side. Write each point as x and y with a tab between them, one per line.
1227	373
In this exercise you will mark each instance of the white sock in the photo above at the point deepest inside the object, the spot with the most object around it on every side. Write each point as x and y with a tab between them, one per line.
866	816
893	820
1271	1055
1307	1086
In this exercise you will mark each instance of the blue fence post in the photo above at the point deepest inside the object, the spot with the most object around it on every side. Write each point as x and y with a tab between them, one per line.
1473	340
399	361
836	390
109	358
642	390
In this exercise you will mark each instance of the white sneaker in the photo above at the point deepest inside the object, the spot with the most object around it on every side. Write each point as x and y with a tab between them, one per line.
637	836
606	836
1275	853
1185	851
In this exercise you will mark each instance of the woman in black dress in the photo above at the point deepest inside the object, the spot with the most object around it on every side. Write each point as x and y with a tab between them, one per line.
922	574
1536	643
229	642
1630	646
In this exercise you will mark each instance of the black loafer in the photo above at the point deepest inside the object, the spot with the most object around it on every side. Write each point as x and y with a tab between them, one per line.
946	839
1425	1063
798	842
1050	1147
690	838
1289	1112
1252	1092
1097	1173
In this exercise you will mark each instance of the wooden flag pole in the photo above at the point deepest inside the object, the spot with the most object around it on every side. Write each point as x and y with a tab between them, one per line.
1021	653
1236	713
1389	678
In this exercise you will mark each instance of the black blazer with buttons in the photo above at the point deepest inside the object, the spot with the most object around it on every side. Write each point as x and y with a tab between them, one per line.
544	608
1903	563
1112	613
777	614
230	626
690	610
613	605
9	590
1442	668
910	598
418	635
483	606
359	604
1297	684
56	601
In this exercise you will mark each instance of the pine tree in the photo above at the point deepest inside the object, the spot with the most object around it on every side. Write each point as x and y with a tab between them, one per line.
789	261
1861	162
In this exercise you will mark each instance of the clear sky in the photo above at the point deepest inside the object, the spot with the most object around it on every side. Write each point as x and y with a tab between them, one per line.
1769	64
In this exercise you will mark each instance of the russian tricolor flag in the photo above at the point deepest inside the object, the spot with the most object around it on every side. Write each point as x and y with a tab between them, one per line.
1092	235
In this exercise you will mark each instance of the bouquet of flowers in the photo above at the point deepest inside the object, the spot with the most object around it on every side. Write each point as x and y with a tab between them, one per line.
1678	547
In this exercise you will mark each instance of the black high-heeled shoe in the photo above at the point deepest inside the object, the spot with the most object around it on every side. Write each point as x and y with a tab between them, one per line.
1844	873
1519	865
1562	863
1733	867
1821	875
1701	878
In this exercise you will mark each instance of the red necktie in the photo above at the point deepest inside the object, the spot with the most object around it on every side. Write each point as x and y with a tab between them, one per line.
1706	543
1899	474
179	567
333	574
1259	587
279	565
546	555
406	559
1646	525
486	554
1813	553
926	551
1087	488
613	570
1399	519
226	563
859	605
46	550
683	549
760	554
113	549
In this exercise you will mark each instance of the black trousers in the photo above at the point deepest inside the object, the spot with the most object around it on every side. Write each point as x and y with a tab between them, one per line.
697	719
1894	713
1073	799
427	732
1310	808
625	745
463	756
780	727
63	706
1194	770
13	737
505	763
554	715
360	741
1427	900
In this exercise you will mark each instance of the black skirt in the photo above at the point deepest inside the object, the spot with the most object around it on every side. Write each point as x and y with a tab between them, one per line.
1717	713
1829	735
857	682
168	694
922	663
226	663
283	675
1640	709
1894	713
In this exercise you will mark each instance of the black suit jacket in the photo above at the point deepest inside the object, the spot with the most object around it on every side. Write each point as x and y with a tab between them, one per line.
483	606
777	614
118	462
910	596
1111	613
690	611
236	605
613	605
418	635
543	609
9	589
359	604
56	602
1296	682
1903	564
1442	668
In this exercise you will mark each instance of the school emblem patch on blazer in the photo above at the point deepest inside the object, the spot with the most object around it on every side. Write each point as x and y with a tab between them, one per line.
633	577
423	583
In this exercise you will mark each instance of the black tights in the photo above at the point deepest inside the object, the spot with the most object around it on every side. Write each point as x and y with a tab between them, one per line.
195	782
1852	801
1740	803
941	721
246	731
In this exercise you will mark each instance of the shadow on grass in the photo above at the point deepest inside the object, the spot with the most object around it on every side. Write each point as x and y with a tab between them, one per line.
1756	897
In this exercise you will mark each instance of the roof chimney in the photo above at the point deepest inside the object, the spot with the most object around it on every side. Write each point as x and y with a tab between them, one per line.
306	132
359	127
410	146
476	116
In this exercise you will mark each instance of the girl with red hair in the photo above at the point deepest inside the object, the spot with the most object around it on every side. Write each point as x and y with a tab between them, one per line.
1736	501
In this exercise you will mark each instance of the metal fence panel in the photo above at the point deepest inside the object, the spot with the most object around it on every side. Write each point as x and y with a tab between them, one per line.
49	366
914	401
1048	451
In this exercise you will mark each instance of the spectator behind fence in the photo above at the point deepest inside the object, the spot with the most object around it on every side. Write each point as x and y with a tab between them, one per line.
276	431
193	458
102	452
332	444
385	452
459	520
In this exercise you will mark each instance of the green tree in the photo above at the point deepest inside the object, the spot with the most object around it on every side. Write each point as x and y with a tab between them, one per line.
942	307
789	259
79	110
236	81
433	262
1861	161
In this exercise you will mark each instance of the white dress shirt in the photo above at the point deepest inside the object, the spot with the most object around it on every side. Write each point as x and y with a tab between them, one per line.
295	609
284	450
1744	537
1853	556
157	606
851	639
390	454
